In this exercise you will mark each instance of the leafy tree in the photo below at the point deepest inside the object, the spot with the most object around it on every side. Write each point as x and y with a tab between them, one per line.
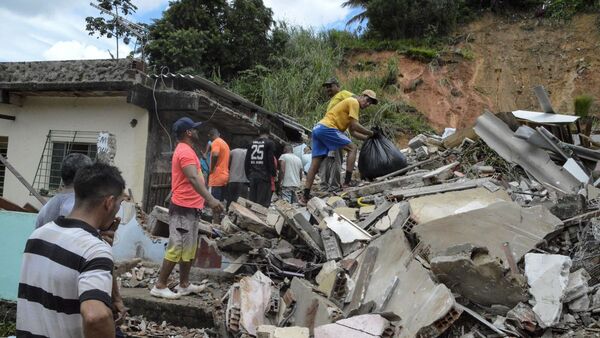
213	36
360	16
111	27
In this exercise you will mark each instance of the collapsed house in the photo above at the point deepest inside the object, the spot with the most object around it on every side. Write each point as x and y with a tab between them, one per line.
51	108
490	232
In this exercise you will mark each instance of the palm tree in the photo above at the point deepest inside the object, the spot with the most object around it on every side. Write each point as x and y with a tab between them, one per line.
362	15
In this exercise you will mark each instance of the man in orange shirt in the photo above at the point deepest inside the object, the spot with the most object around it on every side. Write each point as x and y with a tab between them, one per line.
219	165
188	197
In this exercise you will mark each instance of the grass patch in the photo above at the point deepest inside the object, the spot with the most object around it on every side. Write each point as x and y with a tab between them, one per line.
583	103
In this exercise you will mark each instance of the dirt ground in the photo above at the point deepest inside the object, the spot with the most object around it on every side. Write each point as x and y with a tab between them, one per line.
508	57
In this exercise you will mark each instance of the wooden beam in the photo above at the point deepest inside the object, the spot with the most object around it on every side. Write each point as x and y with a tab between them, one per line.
22	180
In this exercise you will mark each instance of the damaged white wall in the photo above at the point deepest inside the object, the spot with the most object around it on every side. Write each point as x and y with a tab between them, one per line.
37	115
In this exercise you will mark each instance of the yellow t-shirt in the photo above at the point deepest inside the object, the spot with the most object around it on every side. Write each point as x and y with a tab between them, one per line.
340	115
337	98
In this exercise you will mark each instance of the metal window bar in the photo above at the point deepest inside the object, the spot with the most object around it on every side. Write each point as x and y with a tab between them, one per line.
60	143
3	150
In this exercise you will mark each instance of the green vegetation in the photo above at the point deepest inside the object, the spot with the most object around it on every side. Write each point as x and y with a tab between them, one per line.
214	37
7	328
583	103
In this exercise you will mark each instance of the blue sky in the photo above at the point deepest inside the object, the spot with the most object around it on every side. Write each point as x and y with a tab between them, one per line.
35	30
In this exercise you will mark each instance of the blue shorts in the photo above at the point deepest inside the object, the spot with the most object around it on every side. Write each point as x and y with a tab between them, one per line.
325	139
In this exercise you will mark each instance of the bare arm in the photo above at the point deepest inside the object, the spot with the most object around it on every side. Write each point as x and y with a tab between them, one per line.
358	131
191	173
97	319
281	171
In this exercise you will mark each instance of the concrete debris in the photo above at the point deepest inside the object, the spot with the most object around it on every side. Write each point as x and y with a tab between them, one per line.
498	236
548	277
502	222
471	272
364	326
346	230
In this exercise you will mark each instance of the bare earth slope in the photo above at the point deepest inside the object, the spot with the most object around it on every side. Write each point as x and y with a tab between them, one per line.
510	57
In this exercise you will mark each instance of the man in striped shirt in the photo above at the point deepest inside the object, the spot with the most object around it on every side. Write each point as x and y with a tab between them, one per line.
66	275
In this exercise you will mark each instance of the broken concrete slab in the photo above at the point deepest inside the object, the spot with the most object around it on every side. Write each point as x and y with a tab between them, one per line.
260	210
311	309
255	294
533	159
440	174
326	279
364	326
318	208
333	250
247	219
428	208
522	228
548	277
471	272
346	231
362	280
300	226
291	332
336	202
376	213
426	308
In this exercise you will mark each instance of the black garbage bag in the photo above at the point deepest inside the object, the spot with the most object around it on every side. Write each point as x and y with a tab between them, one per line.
379	157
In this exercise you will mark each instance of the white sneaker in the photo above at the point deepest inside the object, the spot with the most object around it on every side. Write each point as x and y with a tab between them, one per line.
192	288
164	293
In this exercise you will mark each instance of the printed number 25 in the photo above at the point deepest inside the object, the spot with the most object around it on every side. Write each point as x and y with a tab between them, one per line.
257	152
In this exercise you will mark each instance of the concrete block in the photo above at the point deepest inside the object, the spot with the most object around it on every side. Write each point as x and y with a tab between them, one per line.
548	277
248	220
364	326
417	141
336	202
349	213
581	304
291	332
569	206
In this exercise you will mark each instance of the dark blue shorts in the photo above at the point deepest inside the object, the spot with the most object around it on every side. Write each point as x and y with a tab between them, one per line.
325	139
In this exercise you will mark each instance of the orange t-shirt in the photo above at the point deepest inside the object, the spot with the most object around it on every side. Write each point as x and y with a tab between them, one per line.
183	193
220	176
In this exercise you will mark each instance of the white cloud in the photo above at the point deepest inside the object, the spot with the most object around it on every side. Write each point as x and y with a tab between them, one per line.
55	29
75	50
308	13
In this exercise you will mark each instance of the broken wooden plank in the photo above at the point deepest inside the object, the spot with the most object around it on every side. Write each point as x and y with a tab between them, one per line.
376	214
363	279
408	168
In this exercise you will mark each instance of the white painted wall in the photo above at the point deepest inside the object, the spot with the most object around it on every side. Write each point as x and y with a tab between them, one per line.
37	115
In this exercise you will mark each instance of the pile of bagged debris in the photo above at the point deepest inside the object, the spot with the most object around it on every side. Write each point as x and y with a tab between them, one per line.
488	232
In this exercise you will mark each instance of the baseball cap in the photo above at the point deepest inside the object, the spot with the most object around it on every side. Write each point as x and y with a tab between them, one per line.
183	124
371	94
330	81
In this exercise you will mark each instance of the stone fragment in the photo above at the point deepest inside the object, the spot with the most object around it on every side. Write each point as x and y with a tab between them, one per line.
578	285
336	202
580	304
548	277
569	206
265	331
523	316
474	274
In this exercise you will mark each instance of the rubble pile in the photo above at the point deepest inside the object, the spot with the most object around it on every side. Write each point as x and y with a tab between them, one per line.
488	232
137	326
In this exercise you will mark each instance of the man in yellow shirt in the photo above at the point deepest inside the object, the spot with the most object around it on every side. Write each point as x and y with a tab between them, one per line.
329	135
330	169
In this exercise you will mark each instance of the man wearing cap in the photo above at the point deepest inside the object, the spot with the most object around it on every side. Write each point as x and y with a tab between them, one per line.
189	194
329	135
330	170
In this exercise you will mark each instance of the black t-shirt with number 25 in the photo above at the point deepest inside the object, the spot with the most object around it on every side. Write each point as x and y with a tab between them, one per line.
259	160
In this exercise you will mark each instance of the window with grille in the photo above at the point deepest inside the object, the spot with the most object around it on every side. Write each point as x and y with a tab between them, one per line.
3	149
60	143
